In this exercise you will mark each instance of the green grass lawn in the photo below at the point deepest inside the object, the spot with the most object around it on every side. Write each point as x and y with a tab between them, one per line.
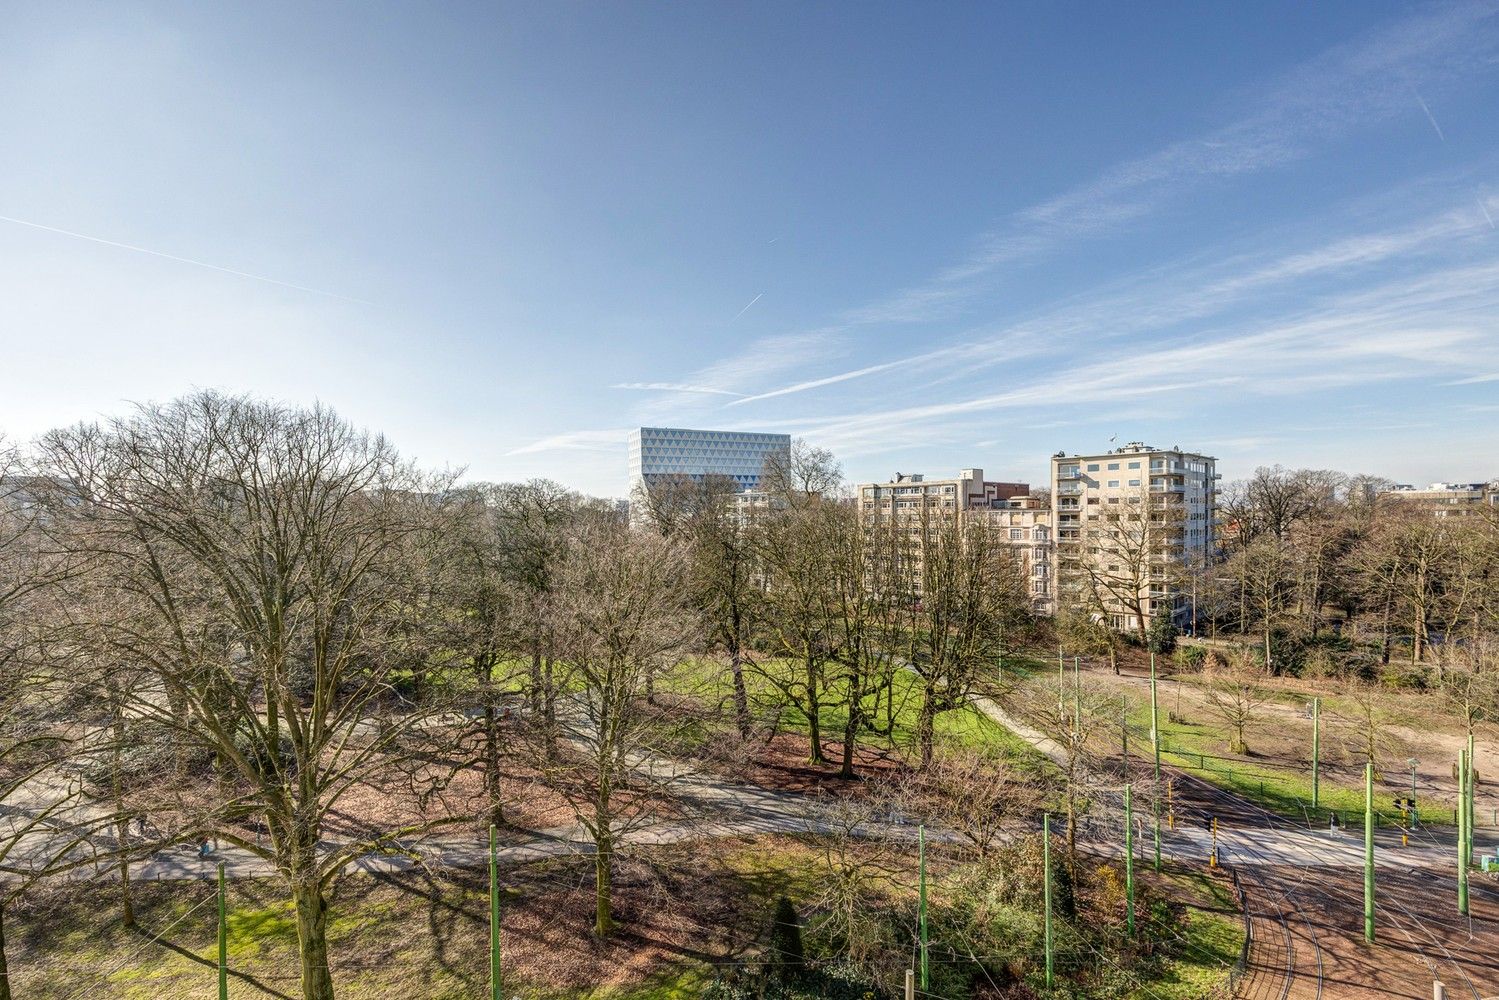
894	719
1209	933
1275	783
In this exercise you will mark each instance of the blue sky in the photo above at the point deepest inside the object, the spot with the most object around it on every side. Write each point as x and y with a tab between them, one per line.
926	236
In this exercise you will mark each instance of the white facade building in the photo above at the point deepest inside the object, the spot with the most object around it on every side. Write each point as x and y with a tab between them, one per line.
658	452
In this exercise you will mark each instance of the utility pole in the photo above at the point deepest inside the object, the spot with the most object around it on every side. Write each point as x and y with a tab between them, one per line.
921	909
1369	852
1462	832
1129	862
1046	864
494	918
223	939
1316	749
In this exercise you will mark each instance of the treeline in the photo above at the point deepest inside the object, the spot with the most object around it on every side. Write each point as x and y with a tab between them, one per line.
226	620
1335	576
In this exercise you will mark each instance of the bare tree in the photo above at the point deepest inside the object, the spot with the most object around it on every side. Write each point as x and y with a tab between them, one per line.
725	573
535	520
799	565
248	562
972	589
1267	582
1237	696
969	792
622	615
1367	719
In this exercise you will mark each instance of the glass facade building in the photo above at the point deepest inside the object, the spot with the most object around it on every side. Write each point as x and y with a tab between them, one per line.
675	451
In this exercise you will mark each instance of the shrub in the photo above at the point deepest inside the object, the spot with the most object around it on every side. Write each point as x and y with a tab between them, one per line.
1190	657
1161	638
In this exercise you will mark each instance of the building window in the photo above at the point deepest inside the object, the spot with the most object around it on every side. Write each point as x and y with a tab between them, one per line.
1134	482
1017	534
1134	465
1113	484
1093	467
1113	466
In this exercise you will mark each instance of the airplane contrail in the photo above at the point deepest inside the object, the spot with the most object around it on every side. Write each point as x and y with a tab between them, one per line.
180	260
746	308
1429	116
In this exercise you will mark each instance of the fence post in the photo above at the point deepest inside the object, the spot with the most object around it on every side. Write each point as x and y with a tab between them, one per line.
910	985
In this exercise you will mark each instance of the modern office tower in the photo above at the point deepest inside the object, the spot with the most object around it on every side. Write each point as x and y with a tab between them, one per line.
1447	499
1134	528
660	452
1024	521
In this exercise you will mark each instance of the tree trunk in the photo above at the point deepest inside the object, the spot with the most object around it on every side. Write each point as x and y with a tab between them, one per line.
850	730
536	677
926	728
603	921
492	766
814	710
741	694
117	786
312	937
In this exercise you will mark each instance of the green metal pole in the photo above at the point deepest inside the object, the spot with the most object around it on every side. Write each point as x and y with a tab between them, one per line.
1472	794
1061	683
921	914
1462	833
1369	852
1155	745
1046	864
494	918
1155	722
223	939
1316	750
1129	862
1077	699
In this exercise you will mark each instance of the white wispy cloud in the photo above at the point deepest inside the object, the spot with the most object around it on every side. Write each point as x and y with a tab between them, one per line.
1170	295
1429	324
609	439
674	387
1343	89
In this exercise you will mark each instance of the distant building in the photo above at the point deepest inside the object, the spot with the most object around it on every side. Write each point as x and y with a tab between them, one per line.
1131	525
1448	499
660	452
1024	521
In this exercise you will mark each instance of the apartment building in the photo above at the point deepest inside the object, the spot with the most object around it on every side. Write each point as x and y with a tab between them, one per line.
1131	523
1448	499
1023	520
